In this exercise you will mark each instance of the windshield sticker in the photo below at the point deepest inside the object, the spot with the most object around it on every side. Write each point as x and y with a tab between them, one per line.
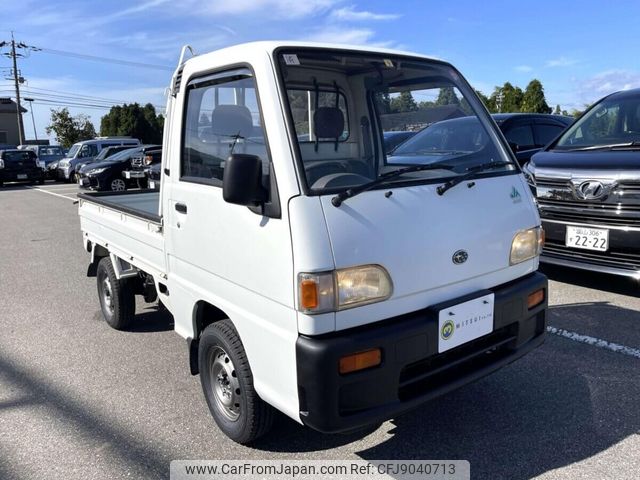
291	59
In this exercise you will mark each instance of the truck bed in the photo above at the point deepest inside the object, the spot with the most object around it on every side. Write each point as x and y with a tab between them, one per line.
142	204
127	224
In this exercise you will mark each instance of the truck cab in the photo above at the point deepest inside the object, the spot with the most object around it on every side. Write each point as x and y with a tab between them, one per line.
306	271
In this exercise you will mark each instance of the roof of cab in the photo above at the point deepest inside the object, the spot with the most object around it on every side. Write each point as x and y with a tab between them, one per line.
247	49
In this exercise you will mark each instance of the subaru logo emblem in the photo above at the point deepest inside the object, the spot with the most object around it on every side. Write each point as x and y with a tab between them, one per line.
592	190
460	257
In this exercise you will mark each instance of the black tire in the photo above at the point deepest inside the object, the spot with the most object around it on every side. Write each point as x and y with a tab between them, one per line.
219	348
111	185
117	297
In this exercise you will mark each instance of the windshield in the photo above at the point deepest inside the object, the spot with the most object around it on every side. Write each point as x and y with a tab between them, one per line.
123	155
613	121
50	151
341	103
73	150
19	156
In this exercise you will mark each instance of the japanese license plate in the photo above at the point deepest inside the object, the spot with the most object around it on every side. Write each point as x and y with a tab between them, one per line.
587	238
464	322
22	176
152	184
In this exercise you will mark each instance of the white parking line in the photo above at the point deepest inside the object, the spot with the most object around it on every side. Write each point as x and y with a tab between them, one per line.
53	193
595	342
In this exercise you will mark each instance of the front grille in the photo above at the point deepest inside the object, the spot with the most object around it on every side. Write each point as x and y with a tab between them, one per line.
611	258
615	214
418	378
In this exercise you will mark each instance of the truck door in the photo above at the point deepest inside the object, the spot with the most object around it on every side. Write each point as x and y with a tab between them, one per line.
217	250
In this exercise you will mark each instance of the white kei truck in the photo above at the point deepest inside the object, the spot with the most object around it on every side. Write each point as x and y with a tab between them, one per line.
310	271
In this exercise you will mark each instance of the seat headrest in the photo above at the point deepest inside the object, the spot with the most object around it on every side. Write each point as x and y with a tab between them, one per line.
328	122
232	120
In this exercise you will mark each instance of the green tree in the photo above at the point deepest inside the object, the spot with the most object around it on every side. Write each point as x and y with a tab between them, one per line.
403	103
447	96
506	99
533	100
70	129
134	121
557	111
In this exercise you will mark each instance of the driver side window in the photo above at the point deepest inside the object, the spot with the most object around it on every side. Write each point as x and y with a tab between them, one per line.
222	117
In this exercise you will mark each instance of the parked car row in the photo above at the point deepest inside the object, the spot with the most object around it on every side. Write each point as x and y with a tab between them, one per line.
121	171
527	133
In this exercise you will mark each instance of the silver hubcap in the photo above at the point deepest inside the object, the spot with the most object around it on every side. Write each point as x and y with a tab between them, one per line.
107	295
225	385
117	185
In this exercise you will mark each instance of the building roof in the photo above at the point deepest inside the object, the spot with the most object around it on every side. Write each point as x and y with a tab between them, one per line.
9	106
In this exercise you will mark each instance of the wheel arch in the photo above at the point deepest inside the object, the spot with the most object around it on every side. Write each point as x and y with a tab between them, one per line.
204	314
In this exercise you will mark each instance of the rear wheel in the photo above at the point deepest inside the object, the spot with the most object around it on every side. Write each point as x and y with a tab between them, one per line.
227	383
117	185
117	297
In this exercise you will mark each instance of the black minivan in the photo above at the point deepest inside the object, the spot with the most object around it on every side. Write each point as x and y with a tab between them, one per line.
587	185
20	166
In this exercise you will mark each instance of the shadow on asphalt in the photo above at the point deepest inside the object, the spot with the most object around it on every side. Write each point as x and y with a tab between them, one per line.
138	454
593	280
153	319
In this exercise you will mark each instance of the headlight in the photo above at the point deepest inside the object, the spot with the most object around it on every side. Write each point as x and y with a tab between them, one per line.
96	171
1	163
342	289
526	245
63	163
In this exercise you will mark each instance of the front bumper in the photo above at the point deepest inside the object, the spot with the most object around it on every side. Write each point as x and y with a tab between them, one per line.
622	258
64	172
412	370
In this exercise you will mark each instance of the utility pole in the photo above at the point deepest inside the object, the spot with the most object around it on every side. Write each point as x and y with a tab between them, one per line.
17	84
17	79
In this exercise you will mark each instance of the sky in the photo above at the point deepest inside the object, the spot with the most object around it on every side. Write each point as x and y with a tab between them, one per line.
580	50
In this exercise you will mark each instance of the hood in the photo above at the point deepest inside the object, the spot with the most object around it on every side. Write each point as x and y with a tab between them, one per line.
414	233
587	160
92	165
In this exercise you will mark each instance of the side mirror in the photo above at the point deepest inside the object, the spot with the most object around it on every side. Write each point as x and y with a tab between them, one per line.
242	180
514	147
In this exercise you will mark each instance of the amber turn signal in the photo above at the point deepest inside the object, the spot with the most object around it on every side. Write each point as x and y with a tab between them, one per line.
308	294
535	299
360	360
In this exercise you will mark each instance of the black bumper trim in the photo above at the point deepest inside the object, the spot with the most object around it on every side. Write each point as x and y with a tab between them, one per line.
412	371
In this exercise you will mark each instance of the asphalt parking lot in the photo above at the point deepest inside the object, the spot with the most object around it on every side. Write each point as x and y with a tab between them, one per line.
80	400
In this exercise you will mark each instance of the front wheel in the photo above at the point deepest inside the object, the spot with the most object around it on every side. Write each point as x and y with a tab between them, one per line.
117	297
117	185
227	383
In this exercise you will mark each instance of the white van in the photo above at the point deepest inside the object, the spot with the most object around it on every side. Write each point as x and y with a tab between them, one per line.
83	152
308	273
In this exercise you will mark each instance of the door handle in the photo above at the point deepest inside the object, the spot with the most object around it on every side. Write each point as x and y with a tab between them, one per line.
181	207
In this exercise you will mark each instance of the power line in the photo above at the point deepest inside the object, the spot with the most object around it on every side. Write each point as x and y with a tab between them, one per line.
95	58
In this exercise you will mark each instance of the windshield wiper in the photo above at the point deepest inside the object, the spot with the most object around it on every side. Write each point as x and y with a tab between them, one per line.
352	192
611	146
471	171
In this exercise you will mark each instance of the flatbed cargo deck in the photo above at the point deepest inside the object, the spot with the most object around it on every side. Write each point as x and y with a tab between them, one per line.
142	204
